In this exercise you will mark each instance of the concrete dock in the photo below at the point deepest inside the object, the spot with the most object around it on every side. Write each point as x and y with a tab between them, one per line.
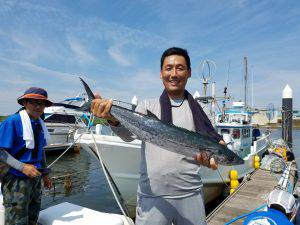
251	194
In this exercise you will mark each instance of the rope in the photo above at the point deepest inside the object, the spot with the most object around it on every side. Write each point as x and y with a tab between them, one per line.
61	155
109	182
222	178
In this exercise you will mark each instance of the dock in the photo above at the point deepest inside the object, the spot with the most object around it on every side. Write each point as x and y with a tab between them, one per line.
252	193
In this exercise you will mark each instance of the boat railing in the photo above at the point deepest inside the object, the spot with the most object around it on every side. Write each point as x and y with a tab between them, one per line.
259	144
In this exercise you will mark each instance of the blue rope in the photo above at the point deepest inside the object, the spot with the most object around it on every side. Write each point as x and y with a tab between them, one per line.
245	215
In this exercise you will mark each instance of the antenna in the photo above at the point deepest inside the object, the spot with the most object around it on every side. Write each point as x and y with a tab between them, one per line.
225	92
246	81
208	76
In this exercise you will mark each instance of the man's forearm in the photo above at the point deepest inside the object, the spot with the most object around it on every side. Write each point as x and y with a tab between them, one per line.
5	157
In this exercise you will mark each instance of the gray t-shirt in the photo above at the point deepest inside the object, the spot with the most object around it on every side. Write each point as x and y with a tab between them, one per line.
162	172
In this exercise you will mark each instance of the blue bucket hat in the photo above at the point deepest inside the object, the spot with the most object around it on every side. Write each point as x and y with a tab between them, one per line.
35	93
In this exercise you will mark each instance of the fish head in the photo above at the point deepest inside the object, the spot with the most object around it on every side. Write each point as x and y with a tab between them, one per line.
228	158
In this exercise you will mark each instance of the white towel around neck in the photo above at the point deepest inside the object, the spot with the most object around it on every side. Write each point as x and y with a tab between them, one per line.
28	136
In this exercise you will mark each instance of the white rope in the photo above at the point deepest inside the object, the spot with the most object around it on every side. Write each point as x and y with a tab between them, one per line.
109	182
61	155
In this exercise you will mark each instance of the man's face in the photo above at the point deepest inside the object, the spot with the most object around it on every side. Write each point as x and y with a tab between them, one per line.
34	107
174	74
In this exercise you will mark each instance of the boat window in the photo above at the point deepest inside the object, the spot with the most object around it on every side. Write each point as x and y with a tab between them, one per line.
236	133
58	118
225	131
246	133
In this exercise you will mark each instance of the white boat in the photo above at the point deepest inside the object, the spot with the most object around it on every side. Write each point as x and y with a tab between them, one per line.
70	214
62	123
122	159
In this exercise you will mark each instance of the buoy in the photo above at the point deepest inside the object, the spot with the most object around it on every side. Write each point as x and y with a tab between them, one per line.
232	190
233	175
256	162
234	183
256	158
256	165
281	151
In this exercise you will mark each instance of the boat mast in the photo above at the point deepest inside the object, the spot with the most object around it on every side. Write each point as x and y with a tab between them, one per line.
245	80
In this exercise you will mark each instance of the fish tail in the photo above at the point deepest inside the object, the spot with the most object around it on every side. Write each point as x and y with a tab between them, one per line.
90	94
86	106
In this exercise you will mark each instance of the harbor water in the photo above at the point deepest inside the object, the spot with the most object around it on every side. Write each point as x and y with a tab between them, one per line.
78	179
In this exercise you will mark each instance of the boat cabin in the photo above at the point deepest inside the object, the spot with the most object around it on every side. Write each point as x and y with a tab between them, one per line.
236	128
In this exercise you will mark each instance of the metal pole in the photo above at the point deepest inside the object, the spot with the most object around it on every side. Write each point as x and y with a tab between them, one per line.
287	115
252	99
245	78
213	103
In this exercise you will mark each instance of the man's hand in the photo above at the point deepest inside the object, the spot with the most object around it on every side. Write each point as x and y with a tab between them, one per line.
47	182
101	108
30	171
222	142
203	158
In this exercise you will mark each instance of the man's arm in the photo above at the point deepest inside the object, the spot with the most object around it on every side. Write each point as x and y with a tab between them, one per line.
5	157
101	108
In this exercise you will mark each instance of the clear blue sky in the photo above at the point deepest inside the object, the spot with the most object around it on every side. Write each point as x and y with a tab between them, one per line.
116	46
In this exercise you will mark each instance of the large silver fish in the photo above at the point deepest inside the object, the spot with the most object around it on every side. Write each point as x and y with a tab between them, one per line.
149	128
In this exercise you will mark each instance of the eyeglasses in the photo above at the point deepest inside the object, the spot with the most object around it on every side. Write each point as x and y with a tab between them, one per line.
37	102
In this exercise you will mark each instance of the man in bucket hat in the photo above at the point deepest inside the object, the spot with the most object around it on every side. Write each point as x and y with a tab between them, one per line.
22	138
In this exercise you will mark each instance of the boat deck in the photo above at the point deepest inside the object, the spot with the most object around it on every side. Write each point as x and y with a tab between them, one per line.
251	194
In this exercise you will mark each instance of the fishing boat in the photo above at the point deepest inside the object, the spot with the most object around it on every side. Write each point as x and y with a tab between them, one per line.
62	123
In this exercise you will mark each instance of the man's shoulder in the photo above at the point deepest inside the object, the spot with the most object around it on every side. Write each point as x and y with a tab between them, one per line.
12	119
151	101
151	105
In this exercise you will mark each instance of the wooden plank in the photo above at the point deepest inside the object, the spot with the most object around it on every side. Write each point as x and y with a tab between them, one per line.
250	196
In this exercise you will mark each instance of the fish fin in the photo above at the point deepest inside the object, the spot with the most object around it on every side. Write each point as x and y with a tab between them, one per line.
151	114
90	94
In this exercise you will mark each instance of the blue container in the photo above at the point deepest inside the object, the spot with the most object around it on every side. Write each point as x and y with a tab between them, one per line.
270	217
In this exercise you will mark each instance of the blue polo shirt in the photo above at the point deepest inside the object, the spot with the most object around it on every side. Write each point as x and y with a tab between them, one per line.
11	139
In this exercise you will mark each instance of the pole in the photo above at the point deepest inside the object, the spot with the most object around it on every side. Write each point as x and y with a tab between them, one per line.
245	80
252	100
213	103
287	115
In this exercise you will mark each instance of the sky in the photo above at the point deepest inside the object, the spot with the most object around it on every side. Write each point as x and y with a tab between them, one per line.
116	47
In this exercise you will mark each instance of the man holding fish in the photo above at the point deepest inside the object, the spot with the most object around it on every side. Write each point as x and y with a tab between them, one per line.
170	188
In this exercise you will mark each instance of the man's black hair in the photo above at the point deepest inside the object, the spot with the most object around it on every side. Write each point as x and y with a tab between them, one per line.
176	51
